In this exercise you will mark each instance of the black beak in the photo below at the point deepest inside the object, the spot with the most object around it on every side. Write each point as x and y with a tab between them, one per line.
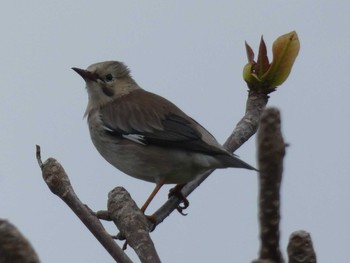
86	75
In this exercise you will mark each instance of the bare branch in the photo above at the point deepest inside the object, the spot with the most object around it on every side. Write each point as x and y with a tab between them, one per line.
300	248
248	125
58	182
132	224
14	247
245	128
271	150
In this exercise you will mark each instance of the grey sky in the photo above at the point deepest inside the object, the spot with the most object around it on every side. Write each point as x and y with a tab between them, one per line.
191	52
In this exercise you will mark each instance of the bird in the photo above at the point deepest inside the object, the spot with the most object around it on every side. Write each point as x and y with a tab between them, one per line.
145	135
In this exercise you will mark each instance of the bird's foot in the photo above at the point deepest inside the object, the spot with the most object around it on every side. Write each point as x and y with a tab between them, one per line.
176	191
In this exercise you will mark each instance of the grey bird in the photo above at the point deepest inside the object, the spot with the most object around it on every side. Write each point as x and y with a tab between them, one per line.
143	134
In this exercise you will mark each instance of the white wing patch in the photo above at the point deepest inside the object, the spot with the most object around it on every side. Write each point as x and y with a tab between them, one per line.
138	138
107	129
135	138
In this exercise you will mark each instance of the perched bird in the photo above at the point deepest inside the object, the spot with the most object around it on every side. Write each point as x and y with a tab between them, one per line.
143	134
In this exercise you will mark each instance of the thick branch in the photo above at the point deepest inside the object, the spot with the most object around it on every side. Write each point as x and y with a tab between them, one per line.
14	247
132	224
245	128
300	248
58	182
271	150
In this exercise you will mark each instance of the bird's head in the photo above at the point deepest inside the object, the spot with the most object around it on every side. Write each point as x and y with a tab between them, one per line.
106	81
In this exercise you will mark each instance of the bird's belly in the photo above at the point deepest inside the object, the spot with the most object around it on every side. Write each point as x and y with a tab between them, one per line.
152	163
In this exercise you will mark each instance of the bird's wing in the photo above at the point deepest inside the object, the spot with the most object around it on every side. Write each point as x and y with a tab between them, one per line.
152	120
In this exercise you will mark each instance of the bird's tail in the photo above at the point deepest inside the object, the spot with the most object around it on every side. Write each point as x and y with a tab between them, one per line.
233	161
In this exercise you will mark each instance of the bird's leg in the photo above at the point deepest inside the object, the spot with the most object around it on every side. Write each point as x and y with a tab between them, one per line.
154	192
176	191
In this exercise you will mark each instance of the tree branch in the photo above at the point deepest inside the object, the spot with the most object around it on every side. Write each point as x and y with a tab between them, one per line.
59	184
300	248
248	125
14	247
132	224
271	150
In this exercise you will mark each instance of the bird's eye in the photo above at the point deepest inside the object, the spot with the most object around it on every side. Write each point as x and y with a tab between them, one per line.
109	77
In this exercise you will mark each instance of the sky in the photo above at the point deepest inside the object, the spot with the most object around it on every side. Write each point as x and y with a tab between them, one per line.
192	53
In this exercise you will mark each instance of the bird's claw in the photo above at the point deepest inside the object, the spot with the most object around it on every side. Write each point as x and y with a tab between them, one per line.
180	208
176	191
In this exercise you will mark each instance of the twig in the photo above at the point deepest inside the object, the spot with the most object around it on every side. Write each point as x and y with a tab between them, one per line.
38	157
58	182
248	125
271	150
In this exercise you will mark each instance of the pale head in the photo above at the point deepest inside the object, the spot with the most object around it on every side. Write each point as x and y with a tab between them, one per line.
106	81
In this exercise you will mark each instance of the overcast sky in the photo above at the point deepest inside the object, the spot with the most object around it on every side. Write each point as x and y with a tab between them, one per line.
191	52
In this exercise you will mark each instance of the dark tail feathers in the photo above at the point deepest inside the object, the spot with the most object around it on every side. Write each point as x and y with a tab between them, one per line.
233	161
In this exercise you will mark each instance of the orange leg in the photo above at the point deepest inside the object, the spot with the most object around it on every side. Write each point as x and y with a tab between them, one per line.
153	194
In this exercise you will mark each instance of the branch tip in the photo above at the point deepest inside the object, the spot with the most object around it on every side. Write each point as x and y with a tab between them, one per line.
38	157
